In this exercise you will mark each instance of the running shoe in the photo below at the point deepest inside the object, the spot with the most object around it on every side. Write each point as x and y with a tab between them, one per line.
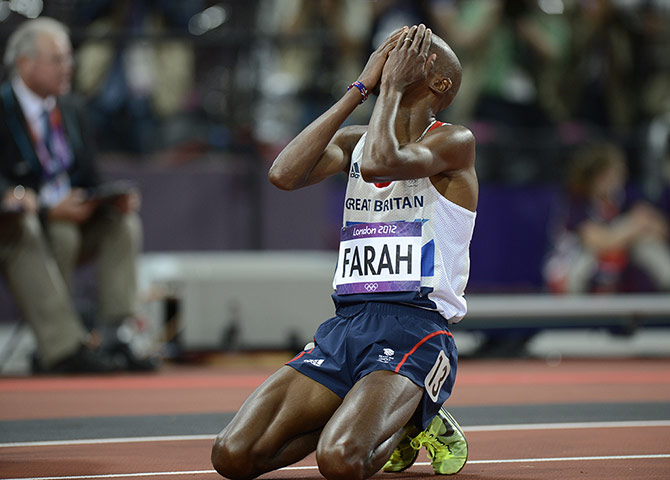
403	456
445	442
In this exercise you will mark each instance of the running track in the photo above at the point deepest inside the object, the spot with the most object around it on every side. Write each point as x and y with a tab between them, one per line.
525	419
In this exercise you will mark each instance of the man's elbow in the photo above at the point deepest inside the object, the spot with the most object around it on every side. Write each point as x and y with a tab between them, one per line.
282	179
368	175
376	170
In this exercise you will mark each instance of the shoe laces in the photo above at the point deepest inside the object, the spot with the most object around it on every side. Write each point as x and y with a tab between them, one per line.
432	443
417	441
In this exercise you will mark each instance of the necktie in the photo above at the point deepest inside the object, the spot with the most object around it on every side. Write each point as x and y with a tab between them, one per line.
48	132
55	156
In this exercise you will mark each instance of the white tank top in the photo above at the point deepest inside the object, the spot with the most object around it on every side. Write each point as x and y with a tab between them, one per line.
384	228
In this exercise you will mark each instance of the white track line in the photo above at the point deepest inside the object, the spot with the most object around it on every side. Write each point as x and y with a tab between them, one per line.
313	467
573	459
118	475
568	426
100	441
478	428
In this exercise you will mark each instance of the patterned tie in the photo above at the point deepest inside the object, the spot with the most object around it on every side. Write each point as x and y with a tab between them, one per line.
55	156
48	133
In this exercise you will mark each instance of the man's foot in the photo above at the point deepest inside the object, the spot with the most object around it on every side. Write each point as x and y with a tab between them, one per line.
446	444
403	456
84	360
125	342
127	360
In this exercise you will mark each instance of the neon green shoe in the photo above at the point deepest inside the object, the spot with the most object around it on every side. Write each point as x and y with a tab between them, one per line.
403	456
446	444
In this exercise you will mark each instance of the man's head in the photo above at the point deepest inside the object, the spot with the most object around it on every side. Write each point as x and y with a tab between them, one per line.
40	52
445	77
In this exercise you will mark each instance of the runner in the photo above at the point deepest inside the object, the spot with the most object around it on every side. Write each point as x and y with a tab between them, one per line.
376	374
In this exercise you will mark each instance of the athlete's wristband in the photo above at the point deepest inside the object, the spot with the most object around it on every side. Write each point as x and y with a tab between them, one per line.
361	88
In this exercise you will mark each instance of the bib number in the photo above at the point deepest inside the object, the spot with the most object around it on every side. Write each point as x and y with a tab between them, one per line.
437	376
379	257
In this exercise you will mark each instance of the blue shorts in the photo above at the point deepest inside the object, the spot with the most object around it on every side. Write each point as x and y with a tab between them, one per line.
366	337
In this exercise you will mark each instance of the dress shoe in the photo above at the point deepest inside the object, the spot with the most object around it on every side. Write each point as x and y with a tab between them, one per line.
84	360
127	360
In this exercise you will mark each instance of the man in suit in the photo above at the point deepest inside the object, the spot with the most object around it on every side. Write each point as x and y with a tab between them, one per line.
51	218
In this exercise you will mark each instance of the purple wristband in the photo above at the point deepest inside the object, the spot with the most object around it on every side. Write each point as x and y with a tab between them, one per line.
361	88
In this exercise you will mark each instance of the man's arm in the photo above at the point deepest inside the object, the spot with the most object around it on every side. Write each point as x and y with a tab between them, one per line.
320	150
446	149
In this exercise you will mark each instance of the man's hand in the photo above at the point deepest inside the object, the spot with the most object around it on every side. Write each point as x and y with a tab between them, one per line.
20	199
74	207
129	202
408	62
372	72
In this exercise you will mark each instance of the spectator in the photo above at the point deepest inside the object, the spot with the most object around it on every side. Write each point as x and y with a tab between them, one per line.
653	71
134	83
54	219
604	236
305	51
512	49
600	81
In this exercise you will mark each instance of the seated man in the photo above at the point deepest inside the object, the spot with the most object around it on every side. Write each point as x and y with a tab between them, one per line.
52	217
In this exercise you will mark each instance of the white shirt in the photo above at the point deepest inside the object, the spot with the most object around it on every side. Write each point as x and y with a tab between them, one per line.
33	105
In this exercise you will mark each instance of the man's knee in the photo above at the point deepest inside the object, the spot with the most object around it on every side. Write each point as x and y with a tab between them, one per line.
27	229
22	236
342	460
65	239
130	227
232	456
123	230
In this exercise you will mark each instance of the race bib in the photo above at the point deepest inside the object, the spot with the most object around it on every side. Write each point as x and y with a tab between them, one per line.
379	257
437	376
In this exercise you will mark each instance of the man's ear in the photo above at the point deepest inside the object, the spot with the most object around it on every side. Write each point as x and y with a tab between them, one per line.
21	62
440	84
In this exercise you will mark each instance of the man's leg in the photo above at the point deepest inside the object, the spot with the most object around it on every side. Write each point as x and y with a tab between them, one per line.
39	290
65	243
114	241
365	429
277	425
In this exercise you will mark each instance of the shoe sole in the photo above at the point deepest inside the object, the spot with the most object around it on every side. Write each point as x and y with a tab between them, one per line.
454	424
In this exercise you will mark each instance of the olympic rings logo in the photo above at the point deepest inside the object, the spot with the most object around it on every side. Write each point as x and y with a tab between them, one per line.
371	287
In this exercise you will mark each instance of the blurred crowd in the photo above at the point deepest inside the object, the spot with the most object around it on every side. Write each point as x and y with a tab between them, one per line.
170	80
219	74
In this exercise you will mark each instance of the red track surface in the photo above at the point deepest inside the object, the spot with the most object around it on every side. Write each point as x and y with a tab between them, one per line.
633	452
